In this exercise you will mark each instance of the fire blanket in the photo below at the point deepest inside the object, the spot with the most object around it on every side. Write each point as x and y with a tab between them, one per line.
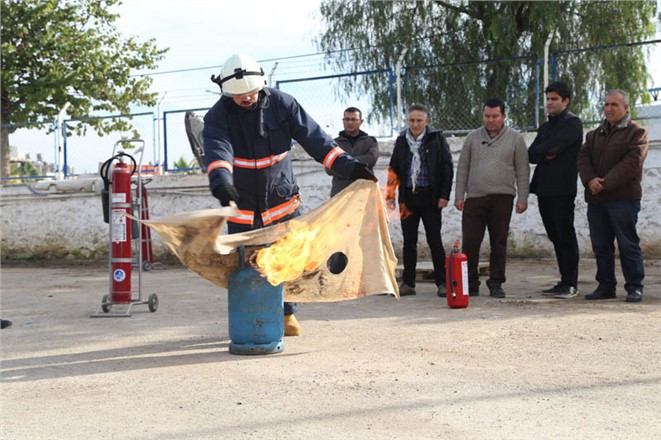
353	223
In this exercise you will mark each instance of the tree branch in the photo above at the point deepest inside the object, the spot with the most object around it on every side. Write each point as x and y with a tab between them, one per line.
455	8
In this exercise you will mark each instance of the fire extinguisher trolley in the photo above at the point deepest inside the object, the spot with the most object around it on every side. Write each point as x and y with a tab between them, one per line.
117	206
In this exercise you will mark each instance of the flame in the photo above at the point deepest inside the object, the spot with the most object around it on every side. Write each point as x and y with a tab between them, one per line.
390	195
391	186
302	250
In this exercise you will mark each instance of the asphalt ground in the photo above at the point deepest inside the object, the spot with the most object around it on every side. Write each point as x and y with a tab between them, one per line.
521	367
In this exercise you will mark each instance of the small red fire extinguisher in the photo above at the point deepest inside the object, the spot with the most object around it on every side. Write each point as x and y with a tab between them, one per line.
456	268
120	233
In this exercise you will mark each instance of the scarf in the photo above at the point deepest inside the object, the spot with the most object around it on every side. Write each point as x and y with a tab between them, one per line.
414	146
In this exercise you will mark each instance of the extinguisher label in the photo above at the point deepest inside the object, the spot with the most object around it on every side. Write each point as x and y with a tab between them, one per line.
118	197
464	276
119	275
118	225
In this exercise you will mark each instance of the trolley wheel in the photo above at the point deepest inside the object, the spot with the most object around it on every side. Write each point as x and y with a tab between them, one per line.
104	304
146	266
153	302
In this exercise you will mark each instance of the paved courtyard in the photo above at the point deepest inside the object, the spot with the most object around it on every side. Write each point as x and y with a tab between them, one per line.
374	368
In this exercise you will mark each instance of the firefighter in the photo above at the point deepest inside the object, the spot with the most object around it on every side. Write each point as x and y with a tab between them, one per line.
247	139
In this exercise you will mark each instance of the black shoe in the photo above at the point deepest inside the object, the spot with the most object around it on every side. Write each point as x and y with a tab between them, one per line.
555	289
442	291
601	294
474	291
634	297
496	292
406	290
4	323
566	292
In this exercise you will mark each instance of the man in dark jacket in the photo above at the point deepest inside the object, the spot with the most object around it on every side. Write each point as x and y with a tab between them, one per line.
357	143
610	164
247	137
554	150
421	166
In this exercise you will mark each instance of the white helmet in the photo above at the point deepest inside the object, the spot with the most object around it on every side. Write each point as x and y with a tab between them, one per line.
240	74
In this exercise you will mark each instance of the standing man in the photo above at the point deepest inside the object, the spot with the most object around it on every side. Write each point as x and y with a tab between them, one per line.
421	166
493	168
555	150
610	164
357	143
247	137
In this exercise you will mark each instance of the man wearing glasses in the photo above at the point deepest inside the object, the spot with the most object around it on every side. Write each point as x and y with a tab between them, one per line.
357	143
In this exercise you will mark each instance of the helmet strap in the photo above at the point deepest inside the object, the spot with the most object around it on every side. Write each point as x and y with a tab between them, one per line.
240	73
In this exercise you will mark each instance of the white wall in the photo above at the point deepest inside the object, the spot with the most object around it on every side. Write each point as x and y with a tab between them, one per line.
50	224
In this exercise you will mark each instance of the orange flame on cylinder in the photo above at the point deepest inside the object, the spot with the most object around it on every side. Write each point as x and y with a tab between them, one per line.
302	250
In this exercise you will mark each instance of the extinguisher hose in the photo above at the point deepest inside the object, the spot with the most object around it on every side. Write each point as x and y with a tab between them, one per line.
107	181
105	168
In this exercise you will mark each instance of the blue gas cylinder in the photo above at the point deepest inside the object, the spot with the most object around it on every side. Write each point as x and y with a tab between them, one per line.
256	313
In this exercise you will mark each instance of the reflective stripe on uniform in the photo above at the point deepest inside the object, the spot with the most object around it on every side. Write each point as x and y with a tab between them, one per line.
269	216
219	164
244	217
259	163
282	210
331	156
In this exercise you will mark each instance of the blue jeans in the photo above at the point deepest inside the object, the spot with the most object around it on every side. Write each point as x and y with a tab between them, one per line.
609	221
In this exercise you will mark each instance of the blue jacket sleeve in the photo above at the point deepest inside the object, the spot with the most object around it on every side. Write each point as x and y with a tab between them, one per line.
218	150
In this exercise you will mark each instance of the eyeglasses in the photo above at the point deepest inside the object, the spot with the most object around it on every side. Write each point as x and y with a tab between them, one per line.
351	120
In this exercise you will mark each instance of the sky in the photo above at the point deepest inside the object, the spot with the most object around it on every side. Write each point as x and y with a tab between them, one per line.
203	33
198	33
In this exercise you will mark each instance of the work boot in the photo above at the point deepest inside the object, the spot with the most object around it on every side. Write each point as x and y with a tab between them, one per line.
5	323
441	291
292	327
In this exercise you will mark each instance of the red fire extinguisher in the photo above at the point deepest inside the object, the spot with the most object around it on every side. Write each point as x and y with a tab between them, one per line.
120	233
456	268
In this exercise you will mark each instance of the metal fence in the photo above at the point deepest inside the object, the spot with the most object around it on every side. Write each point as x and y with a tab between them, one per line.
33	143
176	147
51	151
84	154
459	90
325	98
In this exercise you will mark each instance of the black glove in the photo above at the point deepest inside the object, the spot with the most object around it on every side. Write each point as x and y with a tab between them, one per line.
361	171
226	194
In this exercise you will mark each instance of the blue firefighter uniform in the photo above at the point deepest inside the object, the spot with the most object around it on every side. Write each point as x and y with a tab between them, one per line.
249	149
